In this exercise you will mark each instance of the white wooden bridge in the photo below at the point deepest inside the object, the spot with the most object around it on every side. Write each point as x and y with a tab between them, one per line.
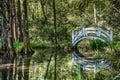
91	33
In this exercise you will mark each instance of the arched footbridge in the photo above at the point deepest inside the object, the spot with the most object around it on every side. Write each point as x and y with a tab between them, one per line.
90	33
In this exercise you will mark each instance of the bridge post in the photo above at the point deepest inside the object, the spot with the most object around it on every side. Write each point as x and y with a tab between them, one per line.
84	32
99	31
111	35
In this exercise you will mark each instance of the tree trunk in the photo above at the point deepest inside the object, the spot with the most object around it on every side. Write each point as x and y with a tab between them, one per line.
95	14
4	32
10	50
14	21
19	20
46	20
15	30
20	69
55	73
54	11
46	73
26	67
4	36
4	70
15	69
4	41
27	49
7	39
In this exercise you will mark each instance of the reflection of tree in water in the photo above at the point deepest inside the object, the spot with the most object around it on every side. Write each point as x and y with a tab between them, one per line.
7	68
13	68
64	68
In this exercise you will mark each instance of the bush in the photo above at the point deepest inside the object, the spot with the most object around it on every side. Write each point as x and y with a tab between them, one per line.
18	45
96	44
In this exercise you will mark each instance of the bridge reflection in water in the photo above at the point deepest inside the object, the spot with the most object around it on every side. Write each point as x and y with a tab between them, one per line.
89	64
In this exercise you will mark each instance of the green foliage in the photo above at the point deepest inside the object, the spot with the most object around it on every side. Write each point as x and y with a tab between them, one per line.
79	74
96	44
116	64
104	75
72	14
18	46
116	45
40	44
66	43
0	39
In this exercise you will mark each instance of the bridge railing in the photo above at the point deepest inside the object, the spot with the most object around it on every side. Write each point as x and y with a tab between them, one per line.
97	33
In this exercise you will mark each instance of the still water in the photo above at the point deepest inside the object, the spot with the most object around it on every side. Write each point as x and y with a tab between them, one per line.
45	64
45	59
53	64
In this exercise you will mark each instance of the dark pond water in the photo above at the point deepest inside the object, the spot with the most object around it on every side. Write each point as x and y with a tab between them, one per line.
54	64
49	64
41	59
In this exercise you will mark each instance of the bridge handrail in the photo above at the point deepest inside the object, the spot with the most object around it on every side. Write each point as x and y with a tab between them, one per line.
98	32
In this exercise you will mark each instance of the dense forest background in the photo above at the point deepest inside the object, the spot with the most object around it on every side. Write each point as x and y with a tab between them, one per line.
28	24
53	21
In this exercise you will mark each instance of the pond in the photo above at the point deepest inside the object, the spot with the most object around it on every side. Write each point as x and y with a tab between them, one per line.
49	59
56	64
45	64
